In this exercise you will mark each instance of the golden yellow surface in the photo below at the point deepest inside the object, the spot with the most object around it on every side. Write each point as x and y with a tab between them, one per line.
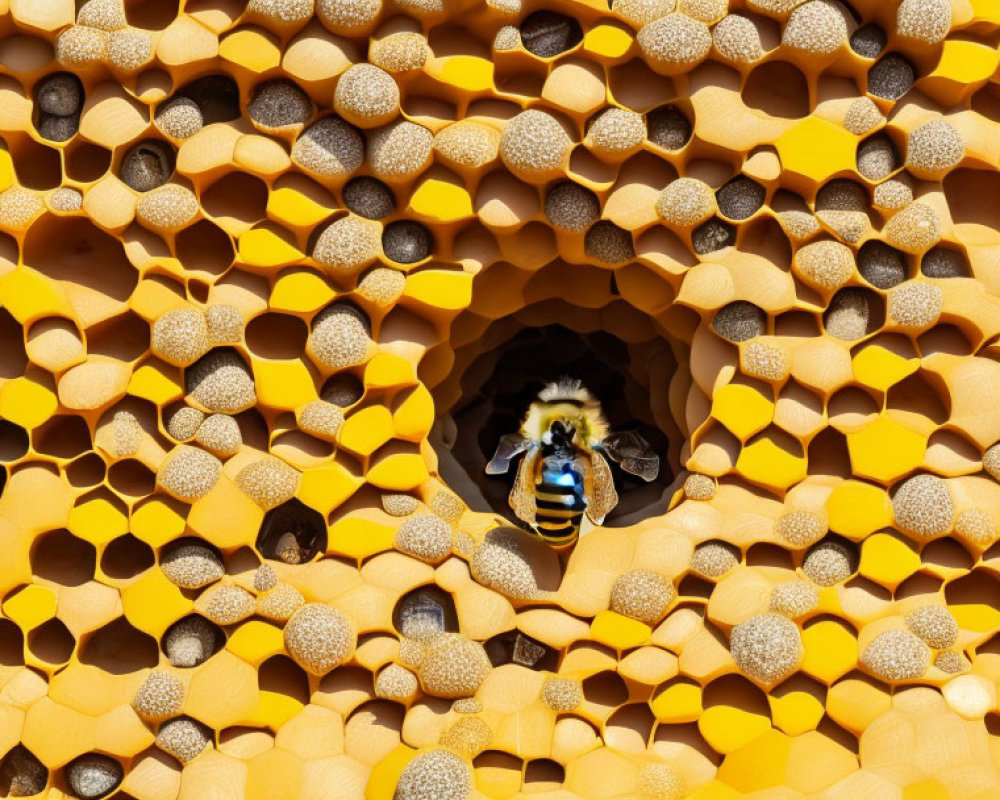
783	213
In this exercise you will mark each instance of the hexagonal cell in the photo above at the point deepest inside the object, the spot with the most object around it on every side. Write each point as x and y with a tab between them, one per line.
277	336
607	689
424	612
11	644
63	437
126	557
13	358
236	201
93	775
293	533
191	641
21	773
547	33
515	647
282	675
62	558
779	89
119	648
217	96
51	642
205	247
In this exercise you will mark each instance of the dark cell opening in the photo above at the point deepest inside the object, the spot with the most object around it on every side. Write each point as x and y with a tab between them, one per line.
548	33
514	647
293	533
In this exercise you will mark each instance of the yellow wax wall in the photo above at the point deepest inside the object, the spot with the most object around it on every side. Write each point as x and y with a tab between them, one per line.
258	257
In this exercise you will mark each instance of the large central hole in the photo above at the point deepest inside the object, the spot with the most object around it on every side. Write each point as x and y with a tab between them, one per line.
500	383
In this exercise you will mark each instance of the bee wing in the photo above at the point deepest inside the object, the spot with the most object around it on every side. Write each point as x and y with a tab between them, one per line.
522	493
633	454
511	445
600	485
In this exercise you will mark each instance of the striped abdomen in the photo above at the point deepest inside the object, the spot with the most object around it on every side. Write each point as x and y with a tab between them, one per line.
559	499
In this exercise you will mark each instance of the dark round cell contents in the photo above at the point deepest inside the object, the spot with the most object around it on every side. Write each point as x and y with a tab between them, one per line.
547	34
667	127
406	242
369	197
147	165
891	78
868	41
881	265
740	198
713	235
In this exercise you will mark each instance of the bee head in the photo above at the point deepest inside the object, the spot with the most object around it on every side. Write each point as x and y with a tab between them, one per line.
563	428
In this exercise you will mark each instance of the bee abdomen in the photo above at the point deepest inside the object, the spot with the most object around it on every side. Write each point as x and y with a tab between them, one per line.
559	509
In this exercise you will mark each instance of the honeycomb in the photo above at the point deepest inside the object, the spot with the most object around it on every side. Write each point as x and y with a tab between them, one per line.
276	275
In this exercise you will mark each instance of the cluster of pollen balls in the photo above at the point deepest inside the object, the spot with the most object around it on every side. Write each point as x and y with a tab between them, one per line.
249	249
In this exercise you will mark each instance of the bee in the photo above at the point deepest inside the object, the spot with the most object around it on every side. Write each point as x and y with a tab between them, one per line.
566	450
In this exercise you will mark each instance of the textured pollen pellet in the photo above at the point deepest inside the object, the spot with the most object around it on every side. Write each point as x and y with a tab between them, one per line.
329	147
951	662
167	208
766	647
382	285
607	243
264	578
192	566
468	737
915	304
927	21
675	42
190	473
18	207
269	482
348	244
817	27
340	338
661	782
976	526
226	605
507	38
183	423
453	666
225	324
435	775
863	116
501	564
396	683
686	202
800	528
180	337
147	165
764	360
369	197
736	38
714	559
896	655
399	52
571	207
58	129
851	314
830	562
740	321
891	77
923	506
321	419
877	157
129	49
183	738
827	264
643	595
914	229
282	11
80	45
319	638
893	194
366	96
106	15
60	94
161	696
667	127
468	144
935	625
934	148
406	242
868	41
399	505
842	205
467	705
562	694
616	132
425	536
641	12
447	506
740	198
348	17
279	104
699	487
190	642
180	118
399	150
220	434
793	599
221	382
280	603
127	434
93	775
534	145
881	265
711	236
